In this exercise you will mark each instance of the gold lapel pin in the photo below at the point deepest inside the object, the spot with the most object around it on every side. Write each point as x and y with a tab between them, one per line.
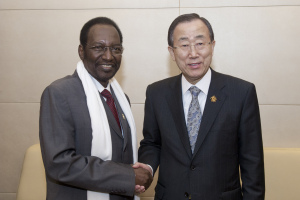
123	116
213	99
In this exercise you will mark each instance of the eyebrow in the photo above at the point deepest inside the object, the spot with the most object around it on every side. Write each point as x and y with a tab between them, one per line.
199	36
103	43
186	38
183	38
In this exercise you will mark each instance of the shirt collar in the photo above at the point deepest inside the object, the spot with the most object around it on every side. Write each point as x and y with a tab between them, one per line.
203	84
100	87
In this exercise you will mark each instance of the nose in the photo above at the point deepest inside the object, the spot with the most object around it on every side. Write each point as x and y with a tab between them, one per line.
193	52
107	55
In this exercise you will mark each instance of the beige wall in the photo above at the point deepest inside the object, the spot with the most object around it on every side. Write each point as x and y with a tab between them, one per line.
256	40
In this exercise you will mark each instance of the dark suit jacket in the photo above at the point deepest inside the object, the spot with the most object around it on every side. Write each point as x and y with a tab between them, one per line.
229	140
66	137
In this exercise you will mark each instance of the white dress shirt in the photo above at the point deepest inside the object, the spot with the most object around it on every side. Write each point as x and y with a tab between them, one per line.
203	85
100	87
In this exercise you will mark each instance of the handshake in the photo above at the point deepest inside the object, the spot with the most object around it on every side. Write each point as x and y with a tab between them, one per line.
143	177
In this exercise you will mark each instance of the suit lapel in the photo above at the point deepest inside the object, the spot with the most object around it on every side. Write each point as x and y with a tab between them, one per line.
87	138
214	103
122	119
125	127
174	99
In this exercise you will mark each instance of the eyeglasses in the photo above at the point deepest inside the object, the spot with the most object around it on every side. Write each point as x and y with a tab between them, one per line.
101	49
188	47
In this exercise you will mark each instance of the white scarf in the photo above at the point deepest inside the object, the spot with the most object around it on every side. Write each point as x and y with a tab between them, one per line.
101	143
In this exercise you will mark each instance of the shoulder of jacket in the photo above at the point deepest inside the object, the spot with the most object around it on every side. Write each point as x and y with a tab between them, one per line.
232	80
165	82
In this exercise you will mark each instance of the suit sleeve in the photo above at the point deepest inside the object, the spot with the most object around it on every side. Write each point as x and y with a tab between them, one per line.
63	164
150	146
251	149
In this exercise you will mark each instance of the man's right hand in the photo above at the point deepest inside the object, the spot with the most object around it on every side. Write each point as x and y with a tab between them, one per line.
143	177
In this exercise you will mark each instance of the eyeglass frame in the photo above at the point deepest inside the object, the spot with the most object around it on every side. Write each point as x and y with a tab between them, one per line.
190	45
101	52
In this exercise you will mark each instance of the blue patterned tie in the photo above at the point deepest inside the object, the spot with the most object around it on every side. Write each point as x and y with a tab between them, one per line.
194	117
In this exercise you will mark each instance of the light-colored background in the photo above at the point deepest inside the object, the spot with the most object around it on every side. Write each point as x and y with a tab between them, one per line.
256	40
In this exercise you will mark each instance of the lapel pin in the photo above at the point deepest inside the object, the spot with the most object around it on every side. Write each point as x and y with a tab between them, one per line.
213	99
123	116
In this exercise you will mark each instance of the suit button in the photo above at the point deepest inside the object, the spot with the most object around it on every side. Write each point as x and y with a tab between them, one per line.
186	194
193	167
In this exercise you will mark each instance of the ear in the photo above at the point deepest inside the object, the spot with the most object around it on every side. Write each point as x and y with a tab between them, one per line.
171	51
81	52
213	43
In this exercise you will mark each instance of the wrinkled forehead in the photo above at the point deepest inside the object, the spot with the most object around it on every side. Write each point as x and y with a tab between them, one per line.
103	33
191	31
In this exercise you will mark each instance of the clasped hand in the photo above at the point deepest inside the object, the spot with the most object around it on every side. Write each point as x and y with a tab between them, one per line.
143	177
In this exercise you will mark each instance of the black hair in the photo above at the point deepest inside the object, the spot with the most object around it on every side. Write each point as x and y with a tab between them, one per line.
188	18
98	20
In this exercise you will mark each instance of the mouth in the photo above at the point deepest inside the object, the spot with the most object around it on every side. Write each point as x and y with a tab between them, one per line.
106	66
194	65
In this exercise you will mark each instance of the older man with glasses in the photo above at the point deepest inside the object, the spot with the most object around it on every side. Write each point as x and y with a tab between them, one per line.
202	128
87	131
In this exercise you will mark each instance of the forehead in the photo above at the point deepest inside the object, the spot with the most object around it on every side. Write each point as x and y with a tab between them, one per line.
190	31
103	33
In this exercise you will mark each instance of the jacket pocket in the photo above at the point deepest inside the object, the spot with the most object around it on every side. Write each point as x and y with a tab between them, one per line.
235	194
159	191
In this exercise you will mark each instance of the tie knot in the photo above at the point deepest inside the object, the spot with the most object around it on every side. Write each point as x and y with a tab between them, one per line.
195	91
106	94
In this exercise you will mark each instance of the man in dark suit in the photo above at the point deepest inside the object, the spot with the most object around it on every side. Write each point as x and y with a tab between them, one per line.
87	131
202	128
